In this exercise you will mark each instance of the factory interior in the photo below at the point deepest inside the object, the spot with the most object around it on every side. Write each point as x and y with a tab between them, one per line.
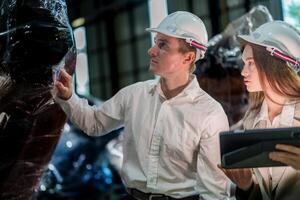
104	46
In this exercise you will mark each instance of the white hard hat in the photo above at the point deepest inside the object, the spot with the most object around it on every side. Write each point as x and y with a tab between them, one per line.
185	25
280	39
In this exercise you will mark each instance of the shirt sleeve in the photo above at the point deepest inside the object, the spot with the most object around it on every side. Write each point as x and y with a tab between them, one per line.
212	183
95	120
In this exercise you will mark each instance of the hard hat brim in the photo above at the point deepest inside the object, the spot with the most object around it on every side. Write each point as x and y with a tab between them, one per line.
243	39
156	30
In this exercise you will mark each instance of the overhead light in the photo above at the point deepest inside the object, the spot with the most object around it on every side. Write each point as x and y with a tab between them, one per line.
78	22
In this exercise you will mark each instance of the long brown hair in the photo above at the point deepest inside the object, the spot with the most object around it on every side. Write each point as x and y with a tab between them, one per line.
282	79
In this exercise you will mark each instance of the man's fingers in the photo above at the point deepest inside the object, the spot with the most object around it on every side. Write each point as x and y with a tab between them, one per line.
60	87
64	76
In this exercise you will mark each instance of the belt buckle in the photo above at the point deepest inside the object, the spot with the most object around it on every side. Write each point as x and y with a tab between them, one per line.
153	196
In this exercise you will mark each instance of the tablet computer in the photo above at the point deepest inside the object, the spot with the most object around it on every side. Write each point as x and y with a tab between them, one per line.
251	148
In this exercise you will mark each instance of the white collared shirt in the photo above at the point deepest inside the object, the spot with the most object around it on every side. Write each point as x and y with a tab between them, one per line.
170	146
284	119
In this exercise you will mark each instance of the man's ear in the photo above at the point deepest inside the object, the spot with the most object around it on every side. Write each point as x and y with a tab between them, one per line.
189	57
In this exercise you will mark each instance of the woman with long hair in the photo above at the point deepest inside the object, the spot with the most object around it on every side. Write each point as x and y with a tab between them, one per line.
271	56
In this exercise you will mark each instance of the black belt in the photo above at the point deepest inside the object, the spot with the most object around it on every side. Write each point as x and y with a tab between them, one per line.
139	195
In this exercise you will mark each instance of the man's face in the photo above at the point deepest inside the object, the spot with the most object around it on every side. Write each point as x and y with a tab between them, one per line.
165	59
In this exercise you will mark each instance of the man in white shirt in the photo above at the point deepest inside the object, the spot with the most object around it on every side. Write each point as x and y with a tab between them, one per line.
171	126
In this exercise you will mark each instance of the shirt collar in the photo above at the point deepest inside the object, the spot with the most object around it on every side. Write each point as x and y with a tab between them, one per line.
263	113
286	115
191	90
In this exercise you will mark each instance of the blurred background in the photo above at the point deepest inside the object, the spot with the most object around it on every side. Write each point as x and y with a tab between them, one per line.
112	46
112	42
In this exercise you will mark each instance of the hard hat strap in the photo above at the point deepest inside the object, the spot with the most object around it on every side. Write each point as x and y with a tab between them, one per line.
275	52
196	44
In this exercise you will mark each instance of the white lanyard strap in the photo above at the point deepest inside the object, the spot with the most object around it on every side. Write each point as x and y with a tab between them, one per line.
260	181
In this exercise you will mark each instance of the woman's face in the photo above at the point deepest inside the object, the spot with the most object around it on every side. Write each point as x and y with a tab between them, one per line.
249	72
